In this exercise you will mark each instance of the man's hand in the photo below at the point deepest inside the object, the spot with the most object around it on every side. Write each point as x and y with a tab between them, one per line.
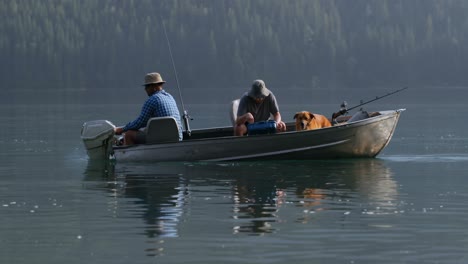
118	130
280	126
246	118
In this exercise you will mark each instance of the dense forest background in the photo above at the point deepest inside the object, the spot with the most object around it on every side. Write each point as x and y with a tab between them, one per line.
91	44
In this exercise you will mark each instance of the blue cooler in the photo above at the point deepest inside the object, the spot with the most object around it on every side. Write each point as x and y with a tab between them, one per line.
261	128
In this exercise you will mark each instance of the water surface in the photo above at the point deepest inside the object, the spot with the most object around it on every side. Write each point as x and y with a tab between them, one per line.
406	206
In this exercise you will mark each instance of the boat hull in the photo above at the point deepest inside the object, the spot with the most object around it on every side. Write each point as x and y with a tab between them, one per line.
361	139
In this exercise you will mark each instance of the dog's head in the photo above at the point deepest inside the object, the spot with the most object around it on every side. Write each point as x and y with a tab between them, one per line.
303	118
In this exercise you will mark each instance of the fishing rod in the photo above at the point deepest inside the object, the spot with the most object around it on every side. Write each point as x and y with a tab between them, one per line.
343	106
185	116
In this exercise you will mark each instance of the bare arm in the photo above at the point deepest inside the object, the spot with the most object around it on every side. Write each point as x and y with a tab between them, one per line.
281	126
247	118
277	117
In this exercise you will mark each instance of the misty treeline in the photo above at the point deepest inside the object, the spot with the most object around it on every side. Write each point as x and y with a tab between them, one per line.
220	43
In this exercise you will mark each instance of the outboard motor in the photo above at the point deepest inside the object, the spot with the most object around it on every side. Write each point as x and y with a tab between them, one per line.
98	138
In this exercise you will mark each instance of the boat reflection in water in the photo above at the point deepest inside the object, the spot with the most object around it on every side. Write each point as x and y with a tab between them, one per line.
144	192
274	194
244	197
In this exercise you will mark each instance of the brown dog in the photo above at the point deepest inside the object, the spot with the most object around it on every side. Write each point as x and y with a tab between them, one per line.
308	121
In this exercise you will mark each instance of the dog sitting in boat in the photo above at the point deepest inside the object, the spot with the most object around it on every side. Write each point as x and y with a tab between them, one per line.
307	121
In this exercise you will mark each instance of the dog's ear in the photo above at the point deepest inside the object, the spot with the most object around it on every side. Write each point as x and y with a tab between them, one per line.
295	116
311	116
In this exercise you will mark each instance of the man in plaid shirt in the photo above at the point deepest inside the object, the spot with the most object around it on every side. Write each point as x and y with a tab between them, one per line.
160	103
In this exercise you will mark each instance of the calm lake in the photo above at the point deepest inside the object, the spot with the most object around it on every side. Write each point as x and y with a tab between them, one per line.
409	205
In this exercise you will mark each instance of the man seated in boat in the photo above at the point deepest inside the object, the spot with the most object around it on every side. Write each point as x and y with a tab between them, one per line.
255	106
159	104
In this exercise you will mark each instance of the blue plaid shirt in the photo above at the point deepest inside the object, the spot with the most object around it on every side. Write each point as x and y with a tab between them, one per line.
159	104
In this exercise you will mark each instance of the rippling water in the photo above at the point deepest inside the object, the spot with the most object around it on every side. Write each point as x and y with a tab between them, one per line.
406	206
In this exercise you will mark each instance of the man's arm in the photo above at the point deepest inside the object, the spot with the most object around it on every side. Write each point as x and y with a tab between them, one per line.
280	125
277	117
247	118
142	119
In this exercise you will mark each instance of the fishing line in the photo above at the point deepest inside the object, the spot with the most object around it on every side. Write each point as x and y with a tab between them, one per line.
185	115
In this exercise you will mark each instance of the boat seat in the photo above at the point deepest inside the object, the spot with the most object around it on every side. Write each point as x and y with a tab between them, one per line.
233	111
162	130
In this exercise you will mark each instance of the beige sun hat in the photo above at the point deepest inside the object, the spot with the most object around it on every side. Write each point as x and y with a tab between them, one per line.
153	78
259	90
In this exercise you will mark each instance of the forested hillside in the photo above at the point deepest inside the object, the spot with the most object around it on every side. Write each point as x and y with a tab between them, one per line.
217	43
